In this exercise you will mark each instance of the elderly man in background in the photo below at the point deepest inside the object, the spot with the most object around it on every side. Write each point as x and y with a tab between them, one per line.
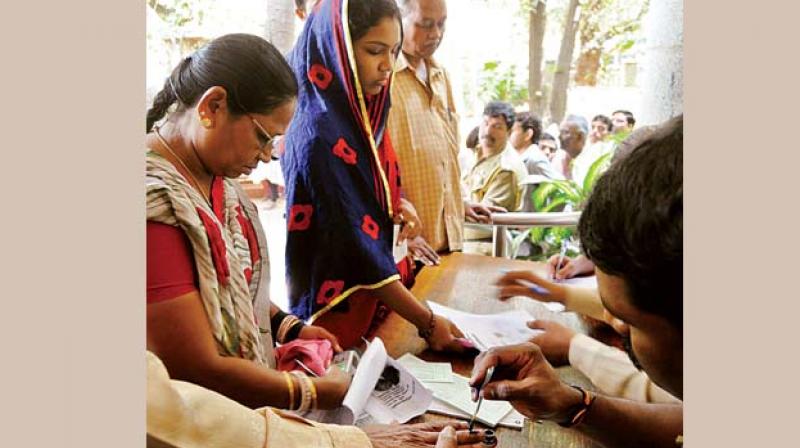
423	125
572	135
598	145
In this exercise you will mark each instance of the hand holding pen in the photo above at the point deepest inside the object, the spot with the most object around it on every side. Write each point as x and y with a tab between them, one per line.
528	284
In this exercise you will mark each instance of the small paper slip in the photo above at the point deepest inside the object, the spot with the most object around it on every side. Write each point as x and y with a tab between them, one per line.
513	419
490	330
427	372
458	395
398	251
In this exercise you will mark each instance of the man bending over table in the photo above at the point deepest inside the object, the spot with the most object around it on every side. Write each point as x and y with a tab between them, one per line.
632	230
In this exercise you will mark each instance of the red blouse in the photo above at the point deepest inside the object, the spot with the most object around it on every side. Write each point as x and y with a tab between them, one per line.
171	270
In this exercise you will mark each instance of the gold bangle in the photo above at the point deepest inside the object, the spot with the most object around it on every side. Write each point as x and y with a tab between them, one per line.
313	394
287	323
305	395
290	385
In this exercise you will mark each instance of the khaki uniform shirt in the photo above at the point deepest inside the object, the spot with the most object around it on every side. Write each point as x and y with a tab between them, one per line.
423	126
497	179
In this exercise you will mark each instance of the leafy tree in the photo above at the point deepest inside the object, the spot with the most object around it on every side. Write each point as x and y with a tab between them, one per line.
605	28
498	82
178	13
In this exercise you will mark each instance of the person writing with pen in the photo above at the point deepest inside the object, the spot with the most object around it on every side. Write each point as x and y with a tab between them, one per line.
632	230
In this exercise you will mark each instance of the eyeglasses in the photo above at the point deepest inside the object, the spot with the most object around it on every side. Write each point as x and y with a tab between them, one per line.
266	142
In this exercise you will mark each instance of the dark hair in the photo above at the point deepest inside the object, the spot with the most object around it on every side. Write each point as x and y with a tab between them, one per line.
300	4
500	109
472	138
546	136
632	141
628	116
530	122
364	14
632	226
604	119
252	72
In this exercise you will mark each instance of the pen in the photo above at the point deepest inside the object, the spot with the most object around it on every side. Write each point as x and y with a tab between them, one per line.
486	380
305	367
560	257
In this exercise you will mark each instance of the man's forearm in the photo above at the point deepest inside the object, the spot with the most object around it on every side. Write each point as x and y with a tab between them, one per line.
624	423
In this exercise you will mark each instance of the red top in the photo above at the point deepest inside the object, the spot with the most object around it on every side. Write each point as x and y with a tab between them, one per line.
171	270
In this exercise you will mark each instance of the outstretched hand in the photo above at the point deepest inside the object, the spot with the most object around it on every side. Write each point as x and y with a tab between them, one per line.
526	283
424	435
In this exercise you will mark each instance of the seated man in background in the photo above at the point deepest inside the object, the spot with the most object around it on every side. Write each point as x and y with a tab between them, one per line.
596	146
495	178
622	121
632	229
548	145
601	126
525	135
572	135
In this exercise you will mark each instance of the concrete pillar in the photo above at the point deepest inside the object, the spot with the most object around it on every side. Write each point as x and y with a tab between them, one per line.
279	29
662	64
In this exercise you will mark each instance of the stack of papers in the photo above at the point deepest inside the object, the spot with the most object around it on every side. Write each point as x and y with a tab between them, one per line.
382	391
452	394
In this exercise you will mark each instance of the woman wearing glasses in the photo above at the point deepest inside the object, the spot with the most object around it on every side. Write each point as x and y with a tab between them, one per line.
209	317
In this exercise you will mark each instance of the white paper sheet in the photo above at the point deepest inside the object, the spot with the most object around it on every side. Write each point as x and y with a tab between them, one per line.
513	419
490	330
458	395
427	372
399	251
382	391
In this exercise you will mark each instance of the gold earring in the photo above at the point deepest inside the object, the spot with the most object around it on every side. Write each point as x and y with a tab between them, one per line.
205	122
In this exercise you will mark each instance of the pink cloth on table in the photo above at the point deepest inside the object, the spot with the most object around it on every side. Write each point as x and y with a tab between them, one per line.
314	353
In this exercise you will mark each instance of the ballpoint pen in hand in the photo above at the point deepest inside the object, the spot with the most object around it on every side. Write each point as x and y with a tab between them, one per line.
486	380
560	257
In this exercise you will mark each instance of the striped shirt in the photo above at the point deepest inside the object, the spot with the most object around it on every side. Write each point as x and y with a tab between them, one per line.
423	126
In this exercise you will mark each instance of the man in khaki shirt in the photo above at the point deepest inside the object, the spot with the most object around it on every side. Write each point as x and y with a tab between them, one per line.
496	177
423	126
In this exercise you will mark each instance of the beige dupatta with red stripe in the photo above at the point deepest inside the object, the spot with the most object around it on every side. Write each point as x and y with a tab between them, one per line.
237	311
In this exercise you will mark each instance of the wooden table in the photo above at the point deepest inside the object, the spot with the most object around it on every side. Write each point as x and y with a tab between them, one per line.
466	282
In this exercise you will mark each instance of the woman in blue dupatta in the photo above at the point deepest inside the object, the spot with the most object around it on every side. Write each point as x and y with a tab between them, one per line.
342	181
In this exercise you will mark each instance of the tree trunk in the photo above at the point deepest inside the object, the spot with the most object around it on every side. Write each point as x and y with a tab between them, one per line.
558	100
537	20
280	24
